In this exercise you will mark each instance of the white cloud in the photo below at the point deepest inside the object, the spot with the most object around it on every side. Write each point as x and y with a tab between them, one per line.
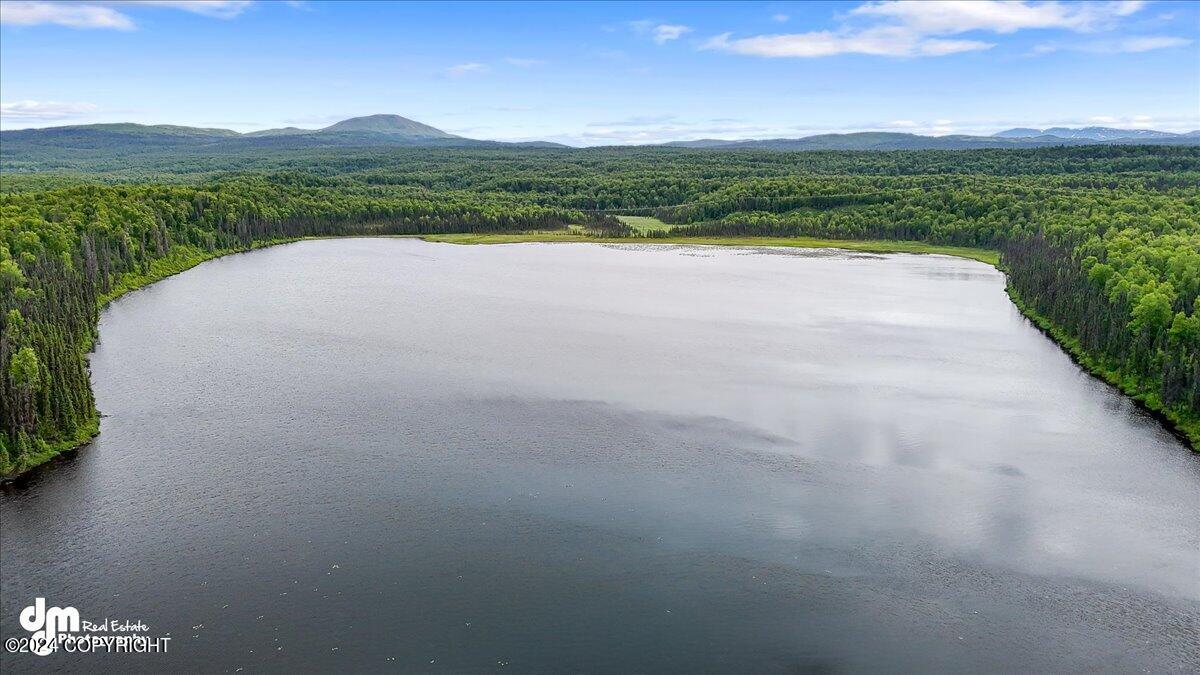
71	15
665	32
1149	43
524	63
661	33
636	130
1129	45
910	28
38	111
219	9
780	18
466	69
104	14
1143	122
881	41
998	16
942	127
636	121
939	47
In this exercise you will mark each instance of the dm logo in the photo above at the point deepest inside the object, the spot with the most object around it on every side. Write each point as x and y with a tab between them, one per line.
47	624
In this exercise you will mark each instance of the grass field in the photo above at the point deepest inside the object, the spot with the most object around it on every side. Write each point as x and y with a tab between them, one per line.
870	246
644	224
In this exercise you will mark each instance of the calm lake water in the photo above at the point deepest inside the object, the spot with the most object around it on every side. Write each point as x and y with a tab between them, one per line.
378	454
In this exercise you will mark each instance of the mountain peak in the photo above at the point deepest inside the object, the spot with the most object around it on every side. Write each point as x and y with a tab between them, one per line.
1087	133
386	124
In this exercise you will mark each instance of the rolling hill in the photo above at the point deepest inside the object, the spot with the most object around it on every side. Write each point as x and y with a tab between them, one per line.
68	147
1089	133
879	140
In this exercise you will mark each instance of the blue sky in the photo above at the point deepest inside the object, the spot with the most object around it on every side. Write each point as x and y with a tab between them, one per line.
596	73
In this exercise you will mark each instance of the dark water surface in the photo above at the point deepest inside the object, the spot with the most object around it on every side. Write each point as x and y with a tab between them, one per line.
377	454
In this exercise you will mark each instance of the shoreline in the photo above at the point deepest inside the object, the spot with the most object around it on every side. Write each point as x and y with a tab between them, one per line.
1187	431
982	255
161	269
1182	428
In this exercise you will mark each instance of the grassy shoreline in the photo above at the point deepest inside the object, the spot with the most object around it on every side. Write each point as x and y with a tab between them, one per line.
863	246
1183	425
1186	427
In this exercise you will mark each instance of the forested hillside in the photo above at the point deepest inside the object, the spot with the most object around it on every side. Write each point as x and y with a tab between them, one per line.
80	146
1101	243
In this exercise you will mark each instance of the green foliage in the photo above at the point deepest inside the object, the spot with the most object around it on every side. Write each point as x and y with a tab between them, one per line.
1102	243
23	369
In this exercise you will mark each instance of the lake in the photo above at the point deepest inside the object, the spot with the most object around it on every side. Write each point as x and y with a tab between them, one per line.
377	454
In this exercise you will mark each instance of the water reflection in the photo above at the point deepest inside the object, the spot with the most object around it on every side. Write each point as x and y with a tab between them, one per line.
376	454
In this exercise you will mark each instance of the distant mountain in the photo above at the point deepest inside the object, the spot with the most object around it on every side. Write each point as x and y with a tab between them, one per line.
386	124
1019	132
873	140
284	131
125	138
132	129
60	146
70	146
1086	133
879	140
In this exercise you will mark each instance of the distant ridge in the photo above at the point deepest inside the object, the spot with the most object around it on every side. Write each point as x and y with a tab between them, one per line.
1088	133
392	125
386	124
285	131
65	144
1012	138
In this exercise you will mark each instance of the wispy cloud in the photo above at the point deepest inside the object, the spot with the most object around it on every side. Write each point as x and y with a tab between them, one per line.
883	41
41	111
664	128
664	33
907	28
612	54
1150	43
524	63
1127	45
998	16
780	18
16	13
104	15
466	69
1142	122
218	9
636	121
661	33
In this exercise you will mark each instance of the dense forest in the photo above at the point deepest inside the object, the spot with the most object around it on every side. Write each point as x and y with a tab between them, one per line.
1101	244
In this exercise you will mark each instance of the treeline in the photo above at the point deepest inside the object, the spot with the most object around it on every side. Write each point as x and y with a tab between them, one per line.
1101	243
63	252
440	167
1115	272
